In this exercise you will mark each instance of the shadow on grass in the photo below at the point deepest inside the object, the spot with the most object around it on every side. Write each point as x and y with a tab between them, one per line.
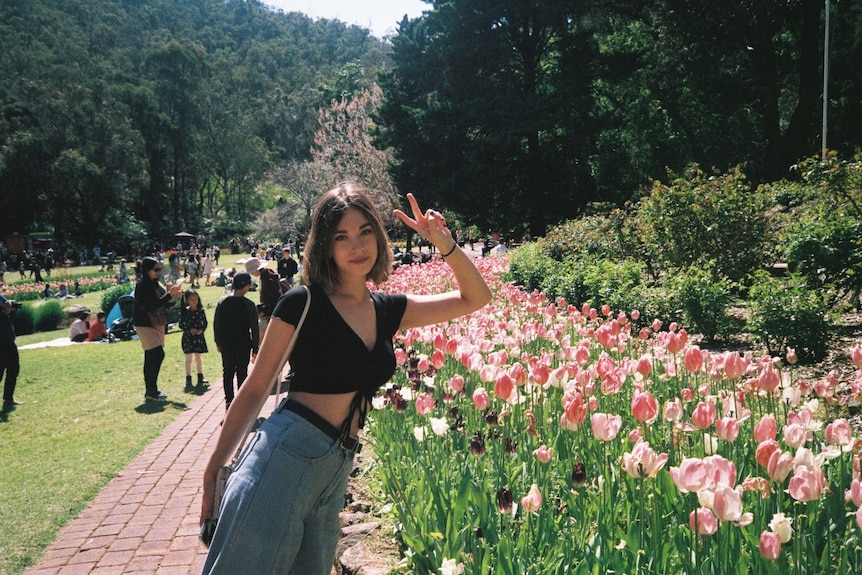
149	407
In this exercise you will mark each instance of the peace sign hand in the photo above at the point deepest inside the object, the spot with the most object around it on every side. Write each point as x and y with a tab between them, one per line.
431	224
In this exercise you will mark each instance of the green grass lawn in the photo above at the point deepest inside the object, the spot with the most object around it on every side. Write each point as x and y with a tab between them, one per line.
84	419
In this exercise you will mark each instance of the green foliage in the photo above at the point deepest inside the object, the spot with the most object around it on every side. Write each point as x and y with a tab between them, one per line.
24	320
619	284
785	313
822	240
702	218
530	265
111	295
702	300
49	315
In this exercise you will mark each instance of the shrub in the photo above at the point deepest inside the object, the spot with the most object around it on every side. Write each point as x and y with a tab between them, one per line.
619	284
23	320
784	313
49	315
701	218
702	300
529	265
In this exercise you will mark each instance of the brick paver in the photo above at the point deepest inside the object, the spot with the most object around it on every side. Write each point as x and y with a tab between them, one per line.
145	521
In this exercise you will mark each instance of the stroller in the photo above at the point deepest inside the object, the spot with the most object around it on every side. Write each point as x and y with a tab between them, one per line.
123	327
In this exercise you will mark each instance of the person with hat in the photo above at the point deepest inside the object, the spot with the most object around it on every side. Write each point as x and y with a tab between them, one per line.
10	363
236	333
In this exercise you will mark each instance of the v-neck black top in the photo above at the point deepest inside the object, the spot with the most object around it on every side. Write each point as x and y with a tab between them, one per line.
329	357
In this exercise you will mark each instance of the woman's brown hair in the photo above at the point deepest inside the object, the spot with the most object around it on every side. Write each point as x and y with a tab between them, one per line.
317	265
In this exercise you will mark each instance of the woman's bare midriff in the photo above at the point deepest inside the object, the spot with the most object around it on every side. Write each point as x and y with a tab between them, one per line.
334	408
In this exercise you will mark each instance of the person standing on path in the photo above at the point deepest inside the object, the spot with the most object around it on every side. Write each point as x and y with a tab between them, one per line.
236	334
193	323
10	363
280	508
151	321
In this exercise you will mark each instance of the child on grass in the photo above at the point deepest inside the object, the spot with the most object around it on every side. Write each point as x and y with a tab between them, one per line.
193	323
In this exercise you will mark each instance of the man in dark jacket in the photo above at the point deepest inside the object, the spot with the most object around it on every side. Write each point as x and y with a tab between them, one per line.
9	361
235	328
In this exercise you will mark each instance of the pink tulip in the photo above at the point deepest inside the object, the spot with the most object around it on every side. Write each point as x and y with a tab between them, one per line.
854	494
533	500
779	466
400	356
457	383
672	410
768	379
543	454
734	365
644	366
605	427
795	435
704	415
424	404
764	451
644	406
770	545
839	432
643	461
856	356
720	471
791	356
702	521
693	359
766	428
575	408
727	429
690	476
480	399
727	504
438	359
806	484
504	385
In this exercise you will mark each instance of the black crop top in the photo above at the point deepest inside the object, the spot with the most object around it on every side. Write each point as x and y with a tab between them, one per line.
314	365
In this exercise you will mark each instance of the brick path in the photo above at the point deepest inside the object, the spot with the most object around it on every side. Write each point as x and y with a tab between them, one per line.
145	521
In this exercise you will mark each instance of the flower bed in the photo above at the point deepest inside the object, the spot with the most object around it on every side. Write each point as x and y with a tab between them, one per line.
538	437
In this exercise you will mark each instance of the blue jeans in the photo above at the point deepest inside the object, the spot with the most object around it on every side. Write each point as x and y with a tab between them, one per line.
281	504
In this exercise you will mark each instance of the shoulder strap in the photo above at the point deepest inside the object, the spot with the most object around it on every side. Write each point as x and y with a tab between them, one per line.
287	350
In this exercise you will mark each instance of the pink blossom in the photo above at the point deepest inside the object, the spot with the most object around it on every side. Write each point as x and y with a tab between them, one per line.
480	399
457	382
605	427
644	366
806	484
504	385
791	356
424	404
672	410
704	414
693	359
770	545
854	494
766	428
779	466
727	429
764	451
400	356
734	365
768	379
643	461
720	471
644	406
438	359
543	453
727	504
839	432
533	500
795	435
575	408
690	476
702	521
856	356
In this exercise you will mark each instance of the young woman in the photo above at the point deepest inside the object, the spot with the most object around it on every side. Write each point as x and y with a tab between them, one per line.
193	323
280	509
151	299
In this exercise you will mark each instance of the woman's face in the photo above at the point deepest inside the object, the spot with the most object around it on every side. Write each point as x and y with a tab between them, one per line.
354	245
155	272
